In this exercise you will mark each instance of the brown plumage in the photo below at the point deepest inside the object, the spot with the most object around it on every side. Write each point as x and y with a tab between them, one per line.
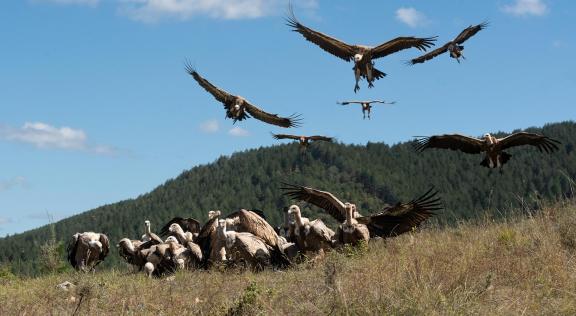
304	141
391	221
238	108
351	231
87	250
311	236
245	248
362	55
366	105
187	224
454	46
492	146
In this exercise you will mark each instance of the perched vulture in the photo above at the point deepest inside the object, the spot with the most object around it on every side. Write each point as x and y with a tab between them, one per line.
366	105
313	236
190	225
362	56
492	146
155	239
238	108
86	250
352	232
304	140
454	46
391	221
243	247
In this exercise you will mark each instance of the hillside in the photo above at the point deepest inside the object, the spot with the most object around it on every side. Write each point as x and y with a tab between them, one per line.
369	175
520	265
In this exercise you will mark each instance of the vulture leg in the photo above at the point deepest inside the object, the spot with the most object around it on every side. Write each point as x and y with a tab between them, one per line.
369	76
357	77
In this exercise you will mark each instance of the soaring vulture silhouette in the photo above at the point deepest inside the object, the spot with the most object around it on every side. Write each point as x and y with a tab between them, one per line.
238	108
362	55
494	147
304	140
454	46
366	105
391	221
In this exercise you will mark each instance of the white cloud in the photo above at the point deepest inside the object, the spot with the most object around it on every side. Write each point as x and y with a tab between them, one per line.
91	3
210	126
13	183
238	132
155	10
411	17
42	135
526	8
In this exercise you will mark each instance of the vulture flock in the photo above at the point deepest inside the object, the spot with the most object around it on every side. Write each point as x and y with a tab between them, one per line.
245	238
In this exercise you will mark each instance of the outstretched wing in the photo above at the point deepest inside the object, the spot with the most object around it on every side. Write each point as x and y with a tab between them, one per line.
401	43
257	113
465	144
322	199
402	217
327	43
541	142
218	93
187	224
469	32
349	102
285	136
321	138
430	55
382	102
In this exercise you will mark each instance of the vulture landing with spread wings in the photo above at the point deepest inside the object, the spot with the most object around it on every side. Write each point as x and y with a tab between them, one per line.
304	140
455	46
391	221
366	105
362	55
492	146
238	108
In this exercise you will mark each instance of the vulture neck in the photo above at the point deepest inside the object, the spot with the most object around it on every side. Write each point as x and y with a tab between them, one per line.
298	218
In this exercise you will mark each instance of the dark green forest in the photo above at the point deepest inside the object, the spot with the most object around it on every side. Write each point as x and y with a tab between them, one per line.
370	175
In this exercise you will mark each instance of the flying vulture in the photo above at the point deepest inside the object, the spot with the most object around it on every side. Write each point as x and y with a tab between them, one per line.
454	46
238	108
304	140
86	250
391	221
362	55
494	147
366	105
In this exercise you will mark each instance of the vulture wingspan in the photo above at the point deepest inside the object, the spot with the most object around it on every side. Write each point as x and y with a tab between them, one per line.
401	43
402	217
430	55
187	224
327	43
349	102
455	142
218	93
469	32
322	199
291	121
541	142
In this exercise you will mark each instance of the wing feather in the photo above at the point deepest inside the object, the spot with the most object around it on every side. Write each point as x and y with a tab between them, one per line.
469	32
321	138
465	144
541	142
291	121
430	55
285	136
187	224
401	43
218	93
327	43
322	199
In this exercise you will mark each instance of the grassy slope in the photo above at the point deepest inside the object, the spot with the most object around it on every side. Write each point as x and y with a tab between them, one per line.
523	265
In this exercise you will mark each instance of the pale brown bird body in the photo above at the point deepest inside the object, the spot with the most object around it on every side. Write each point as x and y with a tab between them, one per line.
366	105
87	250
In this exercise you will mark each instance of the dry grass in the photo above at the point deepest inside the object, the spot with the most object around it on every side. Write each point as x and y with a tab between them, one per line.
516	267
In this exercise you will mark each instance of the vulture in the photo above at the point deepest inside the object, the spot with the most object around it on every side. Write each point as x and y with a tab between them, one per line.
494	147
454	46
304	140
390	221
313	236
362	55
86	250
242	247
133	251
366	105
187	225
152	237
352	232
238	108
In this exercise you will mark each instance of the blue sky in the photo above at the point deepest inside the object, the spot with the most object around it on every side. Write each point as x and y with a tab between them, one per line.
95	106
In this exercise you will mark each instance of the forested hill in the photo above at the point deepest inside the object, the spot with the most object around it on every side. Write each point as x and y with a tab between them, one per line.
370	175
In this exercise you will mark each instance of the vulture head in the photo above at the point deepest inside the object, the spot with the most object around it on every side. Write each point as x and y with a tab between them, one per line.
175	228
213	214
147	224
489	139
358	57
95	244
294	209
171	239
125	243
